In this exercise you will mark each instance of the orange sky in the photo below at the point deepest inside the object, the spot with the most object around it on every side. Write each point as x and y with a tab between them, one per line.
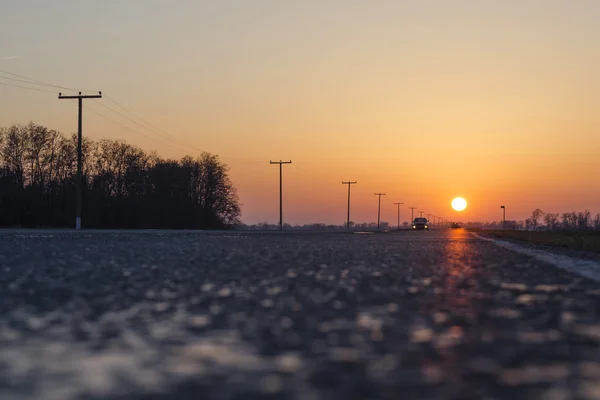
425	101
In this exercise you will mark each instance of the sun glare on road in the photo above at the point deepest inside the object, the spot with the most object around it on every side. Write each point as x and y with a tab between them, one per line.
459	204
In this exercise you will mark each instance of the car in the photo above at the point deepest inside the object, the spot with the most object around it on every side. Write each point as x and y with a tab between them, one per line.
420	223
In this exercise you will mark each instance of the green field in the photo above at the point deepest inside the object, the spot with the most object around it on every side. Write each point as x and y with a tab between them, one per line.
571	240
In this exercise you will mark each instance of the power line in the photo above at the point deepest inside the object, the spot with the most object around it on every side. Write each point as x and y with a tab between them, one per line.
174	146
32	81
167	144
144	127
314	176
35	81
168	136
24	81
128	128
180	144
129	119
143	120
25	87
150	127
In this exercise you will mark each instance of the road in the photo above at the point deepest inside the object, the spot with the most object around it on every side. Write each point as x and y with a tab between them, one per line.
165	315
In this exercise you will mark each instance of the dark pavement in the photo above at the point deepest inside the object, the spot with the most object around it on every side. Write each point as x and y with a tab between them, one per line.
164	315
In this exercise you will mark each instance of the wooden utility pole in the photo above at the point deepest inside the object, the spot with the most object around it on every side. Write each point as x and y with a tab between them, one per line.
379	208
280	189
412	214
78	183
348	183
398	204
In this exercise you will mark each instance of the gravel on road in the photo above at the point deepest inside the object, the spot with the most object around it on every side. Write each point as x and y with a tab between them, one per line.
234	315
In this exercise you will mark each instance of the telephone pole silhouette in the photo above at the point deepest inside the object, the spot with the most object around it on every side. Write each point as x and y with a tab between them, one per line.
398	204
379	208
421	212
280	190
348	183
80	98
412	214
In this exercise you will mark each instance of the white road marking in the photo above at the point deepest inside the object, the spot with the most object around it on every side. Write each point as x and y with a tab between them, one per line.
586	268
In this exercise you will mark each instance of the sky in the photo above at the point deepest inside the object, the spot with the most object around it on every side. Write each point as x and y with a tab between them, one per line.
495	101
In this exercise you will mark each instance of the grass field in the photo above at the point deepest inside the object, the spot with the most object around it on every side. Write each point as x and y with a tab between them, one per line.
571	240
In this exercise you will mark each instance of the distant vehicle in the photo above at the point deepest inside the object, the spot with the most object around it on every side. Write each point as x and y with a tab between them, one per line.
420	223
455	225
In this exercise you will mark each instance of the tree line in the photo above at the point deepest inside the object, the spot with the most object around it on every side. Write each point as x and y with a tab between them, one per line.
123	186
317	226
543	221
581	221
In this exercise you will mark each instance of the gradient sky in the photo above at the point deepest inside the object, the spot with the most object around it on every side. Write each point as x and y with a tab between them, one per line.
495	101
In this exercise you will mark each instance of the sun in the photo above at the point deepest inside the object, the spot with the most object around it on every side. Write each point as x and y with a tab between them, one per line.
459	204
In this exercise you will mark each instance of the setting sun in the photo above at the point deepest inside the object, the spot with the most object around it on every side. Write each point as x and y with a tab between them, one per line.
459	204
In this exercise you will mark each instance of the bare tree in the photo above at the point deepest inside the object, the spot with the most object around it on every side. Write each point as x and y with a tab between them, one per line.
14	152
123	187
569	220
551	220
535	218
584	220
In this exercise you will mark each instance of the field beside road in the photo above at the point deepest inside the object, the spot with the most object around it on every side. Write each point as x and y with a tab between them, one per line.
301	316
589	241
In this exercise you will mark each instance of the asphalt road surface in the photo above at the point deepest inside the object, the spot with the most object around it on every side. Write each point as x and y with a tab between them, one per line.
422	315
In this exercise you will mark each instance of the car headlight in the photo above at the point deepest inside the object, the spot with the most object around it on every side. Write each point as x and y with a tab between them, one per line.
414	227
425	226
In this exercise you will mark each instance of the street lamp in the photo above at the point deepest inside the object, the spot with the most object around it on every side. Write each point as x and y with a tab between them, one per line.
503	217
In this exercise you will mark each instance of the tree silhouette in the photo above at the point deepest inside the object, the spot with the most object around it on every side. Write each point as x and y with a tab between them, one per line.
535	218
551	220
123	187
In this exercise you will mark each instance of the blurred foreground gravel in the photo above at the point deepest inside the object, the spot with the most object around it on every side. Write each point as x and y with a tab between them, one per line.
423	315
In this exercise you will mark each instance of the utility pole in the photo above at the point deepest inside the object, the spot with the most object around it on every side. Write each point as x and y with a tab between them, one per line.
348	183
280	190
421	212
379	208
412	214
428	215
78	184
503	217
398	204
